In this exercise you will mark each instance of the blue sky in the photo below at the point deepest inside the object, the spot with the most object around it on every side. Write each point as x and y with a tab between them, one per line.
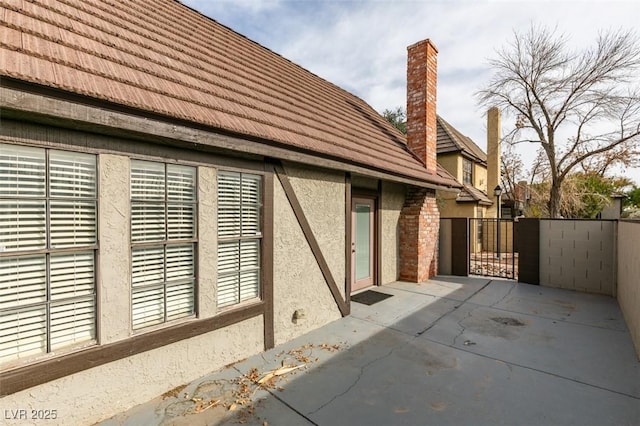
361	45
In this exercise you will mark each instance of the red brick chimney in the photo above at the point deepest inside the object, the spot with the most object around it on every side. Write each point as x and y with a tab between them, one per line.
422	79
419	222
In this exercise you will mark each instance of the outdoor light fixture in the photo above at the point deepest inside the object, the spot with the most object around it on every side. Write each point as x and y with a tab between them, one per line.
497	191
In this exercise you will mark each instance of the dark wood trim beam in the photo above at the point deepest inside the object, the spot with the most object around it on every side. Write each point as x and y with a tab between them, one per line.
347	240
267	259
310	237
13	381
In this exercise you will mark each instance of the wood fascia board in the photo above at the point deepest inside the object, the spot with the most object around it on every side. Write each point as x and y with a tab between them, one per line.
79	115
310	237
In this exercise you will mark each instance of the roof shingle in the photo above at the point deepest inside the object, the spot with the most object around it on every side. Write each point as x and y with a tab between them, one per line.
451	140
181	64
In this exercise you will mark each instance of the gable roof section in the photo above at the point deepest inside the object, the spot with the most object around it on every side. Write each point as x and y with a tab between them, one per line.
471	194
451	140
162	57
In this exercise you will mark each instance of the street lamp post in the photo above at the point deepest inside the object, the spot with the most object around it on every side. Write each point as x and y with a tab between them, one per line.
497	191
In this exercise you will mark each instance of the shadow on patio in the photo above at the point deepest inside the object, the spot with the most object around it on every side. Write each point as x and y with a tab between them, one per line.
450	351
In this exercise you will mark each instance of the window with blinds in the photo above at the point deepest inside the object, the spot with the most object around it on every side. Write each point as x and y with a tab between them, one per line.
163	237
48	244
239	237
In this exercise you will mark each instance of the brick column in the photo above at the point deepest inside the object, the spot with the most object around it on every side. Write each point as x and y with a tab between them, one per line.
419	226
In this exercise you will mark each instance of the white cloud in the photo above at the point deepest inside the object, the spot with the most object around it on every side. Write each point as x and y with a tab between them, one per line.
361	45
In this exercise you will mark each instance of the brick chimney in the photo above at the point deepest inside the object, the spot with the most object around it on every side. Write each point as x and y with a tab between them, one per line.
422	79
419	222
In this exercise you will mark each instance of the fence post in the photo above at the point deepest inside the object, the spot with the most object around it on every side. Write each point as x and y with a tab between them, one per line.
528	248
460	246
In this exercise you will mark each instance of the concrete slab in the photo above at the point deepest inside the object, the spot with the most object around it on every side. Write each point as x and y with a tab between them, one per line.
453	351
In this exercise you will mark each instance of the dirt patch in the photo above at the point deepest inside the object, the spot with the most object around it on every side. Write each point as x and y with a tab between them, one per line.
173	393
508	321
234	399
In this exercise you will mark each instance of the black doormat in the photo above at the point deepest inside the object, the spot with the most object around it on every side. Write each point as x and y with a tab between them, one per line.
369	297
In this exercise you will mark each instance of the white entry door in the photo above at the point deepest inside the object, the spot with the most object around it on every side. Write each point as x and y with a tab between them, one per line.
362	243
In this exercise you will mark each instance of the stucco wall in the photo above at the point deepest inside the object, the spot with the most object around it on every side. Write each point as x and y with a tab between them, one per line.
298	281
578	255
393	196
480	177
450	208
104	391
114	231
628	282
207	241
452	163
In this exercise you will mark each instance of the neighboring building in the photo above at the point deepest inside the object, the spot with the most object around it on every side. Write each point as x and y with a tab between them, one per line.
467	162
172	192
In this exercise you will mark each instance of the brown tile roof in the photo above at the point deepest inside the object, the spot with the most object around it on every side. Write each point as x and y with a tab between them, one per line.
471	194
451	140
163	57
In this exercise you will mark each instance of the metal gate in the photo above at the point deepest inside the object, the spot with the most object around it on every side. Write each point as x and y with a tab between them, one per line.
492	248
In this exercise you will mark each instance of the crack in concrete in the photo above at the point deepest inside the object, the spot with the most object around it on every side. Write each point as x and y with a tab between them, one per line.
433	324
464	328
510	365
355	382
504	297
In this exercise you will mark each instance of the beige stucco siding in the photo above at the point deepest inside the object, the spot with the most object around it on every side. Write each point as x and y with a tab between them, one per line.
480	177
452	163
298	281
207	241
393	196
114	233
120	385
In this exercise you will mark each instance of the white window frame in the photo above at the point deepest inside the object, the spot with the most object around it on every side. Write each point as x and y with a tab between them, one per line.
240	212
48	267
163	257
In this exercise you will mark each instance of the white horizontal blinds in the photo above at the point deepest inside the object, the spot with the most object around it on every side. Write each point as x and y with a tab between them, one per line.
228	267
249	269
22	198
239	232
181	199
72	187
163	203
148	201
23	309
23	332
47	297
23	281
148	286
180	278
229	212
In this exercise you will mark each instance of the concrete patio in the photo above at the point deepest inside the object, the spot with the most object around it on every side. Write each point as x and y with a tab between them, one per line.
452	351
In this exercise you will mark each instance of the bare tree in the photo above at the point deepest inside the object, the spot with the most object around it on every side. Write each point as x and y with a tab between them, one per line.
578	105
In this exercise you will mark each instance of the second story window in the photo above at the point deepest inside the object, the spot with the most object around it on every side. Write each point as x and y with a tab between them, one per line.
467	171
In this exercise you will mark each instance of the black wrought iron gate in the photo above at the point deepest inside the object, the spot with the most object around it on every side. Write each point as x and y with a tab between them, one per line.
492	248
